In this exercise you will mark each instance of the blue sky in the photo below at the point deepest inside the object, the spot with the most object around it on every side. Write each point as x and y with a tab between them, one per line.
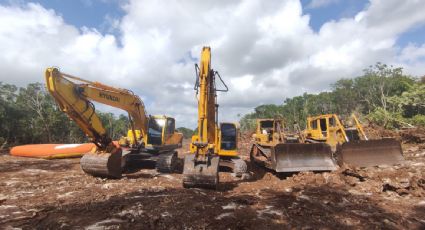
334	10
89	13
264	48
97	14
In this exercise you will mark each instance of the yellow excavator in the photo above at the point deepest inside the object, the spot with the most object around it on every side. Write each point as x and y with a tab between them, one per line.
350	142
214	145
149	138
278	149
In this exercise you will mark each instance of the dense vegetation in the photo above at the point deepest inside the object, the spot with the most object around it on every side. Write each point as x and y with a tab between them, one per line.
383	95
187	133
30	115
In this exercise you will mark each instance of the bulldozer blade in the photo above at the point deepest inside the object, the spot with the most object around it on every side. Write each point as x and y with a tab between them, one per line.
200	174
370	153
296	157
103	164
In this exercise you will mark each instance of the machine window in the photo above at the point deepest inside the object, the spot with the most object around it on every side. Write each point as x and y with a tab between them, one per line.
313	124
266	124
228	136
155	131
332	122
170	125
323	126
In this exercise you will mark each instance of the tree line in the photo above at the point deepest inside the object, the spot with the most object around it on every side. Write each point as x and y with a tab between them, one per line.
30	115
383	95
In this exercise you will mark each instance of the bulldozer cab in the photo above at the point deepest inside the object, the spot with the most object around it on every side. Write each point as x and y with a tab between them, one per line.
228	139
325	128
269	131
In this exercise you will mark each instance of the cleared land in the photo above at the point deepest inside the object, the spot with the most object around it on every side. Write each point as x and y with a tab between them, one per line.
56	194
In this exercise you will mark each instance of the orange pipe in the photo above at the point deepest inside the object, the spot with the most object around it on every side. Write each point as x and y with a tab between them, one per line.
51	151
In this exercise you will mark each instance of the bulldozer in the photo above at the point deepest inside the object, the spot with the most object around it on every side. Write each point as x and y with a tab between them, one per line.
350	143
279	150
215	144
149	138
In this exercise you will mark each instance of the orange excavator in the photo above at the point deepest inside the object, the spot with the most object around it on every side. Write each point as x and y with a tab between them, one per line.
149	138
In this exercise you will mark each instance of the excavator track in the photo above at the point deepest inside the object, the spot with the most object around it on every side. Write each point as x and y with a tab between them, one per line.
103	164
167	162
200	174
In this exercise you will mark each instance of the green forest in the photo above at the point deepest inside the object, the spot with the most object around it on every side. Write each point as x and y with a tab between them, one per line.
383	95
30	115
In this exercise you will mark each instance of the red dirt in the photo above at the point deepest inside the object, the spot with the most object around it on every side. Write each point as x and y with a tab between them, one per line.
56	194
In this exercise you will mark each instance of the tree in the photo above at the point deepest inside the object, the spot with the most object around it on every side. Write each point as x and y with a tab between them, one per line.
187	133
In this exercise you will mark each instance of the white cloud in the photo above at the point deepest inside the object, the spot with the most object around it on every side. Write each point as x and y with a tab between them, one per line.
264	50
320	3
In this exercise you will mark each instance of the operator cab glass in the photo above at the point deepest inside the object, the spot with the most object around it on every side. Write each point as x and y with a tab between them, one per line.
324	127
228	136
156	125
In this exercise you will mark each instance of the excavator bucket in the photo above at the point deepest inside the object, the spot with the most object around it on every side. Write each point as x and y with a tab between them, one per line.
370	153
296	157
200	174
103	164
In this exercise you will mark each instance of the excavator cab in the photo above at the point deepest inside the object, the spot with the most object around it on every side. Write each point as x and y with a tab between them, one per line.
160	129
228	137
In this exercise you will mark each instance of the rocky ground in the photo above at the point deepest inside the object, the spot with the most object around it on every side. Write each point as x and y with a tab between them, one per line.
56	194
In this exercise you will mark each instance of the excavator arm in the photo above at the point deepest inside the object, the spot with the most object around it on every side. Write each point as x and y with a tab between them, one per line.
75	100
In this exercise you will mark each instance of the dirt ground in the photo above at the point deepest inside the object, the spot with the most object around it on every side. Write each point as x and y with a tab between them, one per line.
56	194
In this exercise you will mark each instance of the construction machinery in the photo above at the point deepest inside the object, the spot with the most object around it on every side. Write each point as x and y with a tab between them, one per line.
149	138
215	144
350	143
278	149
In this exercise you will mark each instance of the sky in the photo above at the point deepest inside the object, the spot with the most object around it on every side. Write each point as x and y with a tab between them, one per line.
265	51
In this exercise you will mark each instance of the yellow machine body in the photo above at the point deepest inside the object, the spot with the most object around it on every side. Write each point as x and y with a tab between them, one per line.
282	151
213	142
350	142
74	97
269	132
